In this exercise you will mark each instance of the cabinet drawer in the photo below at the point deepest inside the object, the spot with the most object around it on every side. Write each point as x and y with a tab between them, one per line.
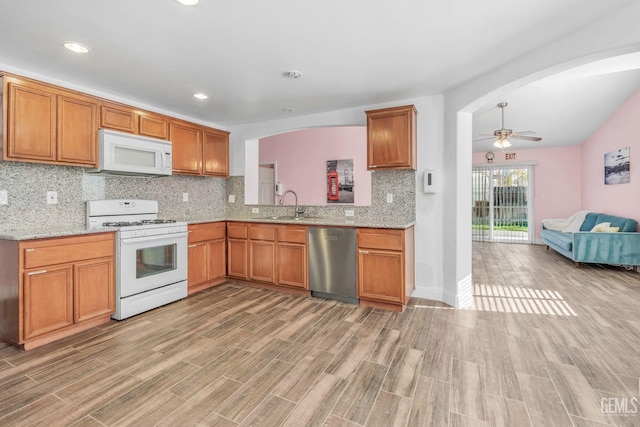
203	232
237	231
292	234
59	252
380	239
262	233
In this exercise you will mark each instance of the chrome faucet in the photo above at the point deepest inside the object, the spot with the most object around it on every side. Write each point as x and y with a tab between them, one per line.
299	209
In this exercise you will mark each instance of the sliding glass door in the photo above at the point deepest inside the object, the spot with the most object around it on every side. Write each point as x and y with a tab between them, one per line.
503	203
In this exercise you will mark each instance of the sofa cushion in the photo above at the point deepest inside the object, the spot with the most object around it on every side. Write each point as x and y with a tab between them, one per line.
590	221
558	238
625	224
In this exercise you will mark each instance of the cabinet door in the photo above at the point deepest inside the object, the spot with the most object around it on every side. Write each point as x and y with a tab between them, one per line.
48	300
237	258
31	123
153	126
77	130
292	265
118	117
262	261
216	153
93	289
187	149
197	264
381	275
217	259
391	138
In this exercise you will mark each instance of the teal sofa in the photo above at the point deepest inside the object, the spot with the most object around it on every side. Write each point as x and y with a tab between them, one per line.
618	248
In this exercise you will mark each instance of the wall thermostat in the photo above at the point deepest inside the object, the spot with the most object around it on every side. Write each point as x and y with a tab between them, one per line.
429	181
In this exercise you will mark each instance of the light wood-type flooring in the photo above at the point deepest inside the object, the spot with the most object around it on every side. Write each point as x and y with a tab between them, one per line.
546	344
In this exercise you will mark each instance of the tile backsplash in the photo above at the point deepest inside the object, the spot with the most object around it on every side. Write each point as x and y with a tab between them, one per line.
400	183
27	185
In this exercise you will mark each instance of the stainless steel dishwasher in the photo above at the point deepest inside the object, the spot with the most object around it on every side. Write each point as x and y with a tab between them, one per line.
332	263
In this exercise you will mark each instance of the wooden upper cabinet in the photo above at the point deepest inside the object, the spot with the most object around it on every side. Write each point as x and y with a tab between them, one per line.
31	122
391	138
187	148
118	117
50	125
216	153
77	135
153	125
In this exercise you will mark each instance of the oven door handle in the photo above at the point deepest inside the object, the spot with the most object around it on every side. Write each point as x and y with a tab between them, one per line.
160	237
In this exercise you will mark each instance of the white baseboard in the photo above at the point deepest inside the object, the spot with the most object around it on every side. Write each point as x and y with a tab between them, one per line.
463	299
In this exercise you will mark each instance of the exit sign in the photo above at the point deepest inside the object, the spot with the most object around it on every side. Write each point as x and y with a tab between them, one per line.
509	156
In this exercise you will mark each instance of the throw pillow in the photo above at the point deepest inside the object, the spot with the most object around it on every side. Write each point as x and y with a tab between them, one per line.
600	227
610	229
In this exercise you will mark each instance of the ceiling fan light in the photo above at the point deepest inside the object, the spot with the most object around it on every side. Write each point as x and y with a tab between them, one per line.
506	143
497	143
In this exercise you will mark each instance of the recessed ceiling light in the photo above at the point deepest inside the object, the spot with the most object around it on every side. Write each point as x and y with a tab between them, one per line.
292	74
200	96
188	2
76	47
288	110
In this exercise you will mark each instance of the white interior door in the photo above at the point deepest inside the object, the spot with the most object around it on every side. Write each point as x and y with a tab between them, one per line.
266	185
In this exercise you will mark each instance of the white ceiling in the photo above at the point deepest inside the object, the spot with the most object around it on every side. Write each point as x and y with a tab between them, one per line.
351	53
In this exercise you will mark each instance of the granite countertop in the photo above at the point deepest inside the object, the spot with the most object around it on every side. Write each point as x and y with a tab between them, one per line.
43	233
355	222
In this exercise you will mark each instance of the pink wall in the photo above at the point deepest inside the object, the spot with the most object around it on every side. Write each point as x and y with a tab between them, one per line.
620	130
557	179
302	161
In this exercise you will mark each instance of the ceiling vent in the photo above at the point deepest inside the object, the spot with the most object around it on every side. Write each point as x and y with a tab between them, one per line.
292	74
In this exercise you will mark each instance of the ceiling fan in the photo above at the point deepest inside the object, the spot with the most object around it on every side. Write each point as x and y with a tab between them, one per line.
503	134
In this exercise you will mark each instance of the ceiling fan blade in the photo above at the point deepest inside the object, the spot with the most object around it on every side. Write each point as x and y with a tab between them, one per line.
484	139
524	132
528	138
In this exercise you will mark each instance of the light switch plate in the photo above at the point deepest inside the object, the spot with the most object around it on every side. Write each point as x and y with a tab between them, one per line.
255	210
348	212
52	197
185	197
232	198
4	197
389	198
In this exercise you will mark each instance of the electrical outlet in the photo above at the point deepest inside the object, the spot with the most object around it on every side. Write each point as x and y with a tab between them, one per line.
52	197
232	198
255	210
4	197
348	212
389	198
185	197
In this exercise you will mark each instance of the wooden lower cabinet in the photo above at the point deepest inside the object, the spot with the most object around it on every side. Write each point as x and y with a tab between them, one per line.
385	267
291	257
207	255
93	291
48	300
237	250
53	288
268	254
262	252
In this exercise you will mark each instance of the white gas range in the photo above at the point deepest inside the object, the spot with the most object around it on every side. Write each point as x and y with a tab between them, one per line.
151	254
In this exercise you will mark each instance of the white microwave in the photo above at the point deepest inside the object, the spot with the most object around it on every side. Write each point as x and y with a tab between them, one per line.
127	154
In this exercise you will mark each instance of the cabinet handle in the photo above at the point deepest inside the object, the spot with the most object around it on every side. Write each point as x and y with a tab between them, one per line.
364	252
373	166
29	250
192	246
36	272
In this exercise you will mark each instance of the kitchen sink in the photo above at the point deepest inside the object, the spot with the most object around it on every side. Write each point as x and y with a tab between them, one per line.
281	217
